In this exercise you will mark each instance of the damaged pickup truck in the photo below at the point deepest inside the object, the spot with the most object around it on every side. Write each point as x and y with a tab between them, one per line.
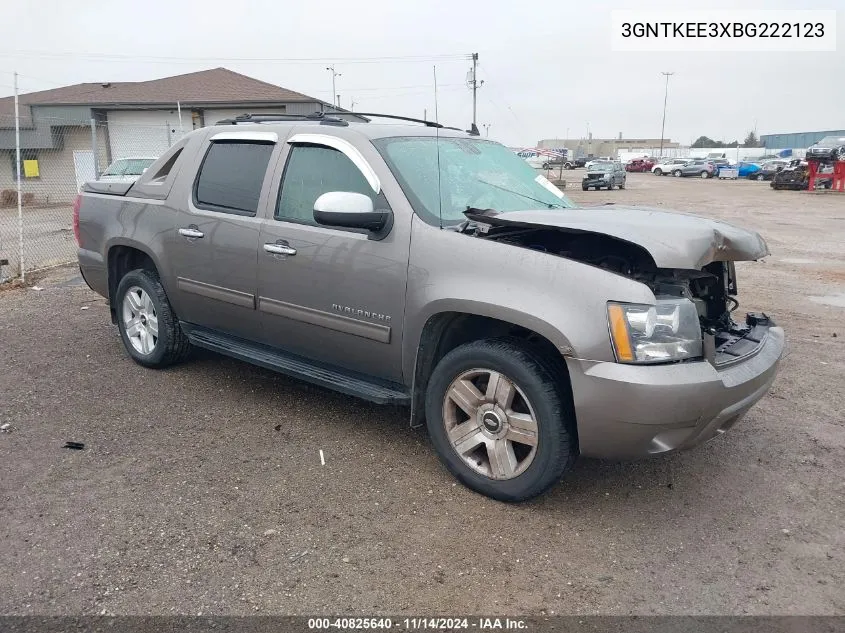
422	266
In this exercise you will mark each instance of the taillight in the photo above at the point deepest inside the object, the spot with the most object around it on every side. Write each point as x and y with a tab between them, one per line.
76	205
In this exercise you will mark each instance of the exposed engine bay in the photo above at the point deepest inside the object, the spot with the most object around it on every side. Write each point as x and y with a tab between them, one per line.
712	289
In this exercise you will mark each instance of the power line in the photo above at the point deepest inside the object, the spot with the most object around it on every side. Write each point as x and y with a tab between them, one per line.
275	60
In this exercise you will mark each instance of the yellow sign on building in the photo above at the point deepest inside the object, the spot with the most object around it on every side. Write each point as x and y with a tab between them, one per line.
30	169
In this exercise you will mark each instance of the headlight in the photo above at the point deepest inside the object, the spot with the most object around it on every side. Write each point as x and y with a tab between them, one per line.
666	331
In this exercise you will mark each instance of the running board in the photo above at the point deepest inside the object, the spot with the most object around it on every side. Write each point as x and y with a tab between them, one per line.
296	366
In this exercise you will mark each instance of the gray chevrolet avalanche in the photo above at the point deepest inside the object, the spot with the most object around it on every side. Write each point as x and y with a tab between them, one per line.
417	265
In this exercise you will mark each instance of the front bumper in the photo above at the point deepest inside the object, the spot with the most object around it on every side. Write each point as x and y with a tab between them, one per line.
596	182
630	411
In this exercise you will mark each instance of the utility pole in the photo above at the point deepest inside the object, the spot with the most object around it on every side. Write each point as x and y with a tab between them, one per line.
335	74
474	84
665	98
352	103
18	179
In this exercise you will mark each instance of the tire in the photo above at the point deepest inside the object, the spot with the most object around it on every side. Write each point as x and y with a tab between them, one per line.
568	166
677	173
658	172
535	389
622	184
705	174
546	166
761	177
584	187
169	345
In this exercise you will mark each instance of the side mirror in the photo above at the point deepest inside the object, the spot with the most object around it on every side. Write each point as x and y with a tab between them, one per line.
349	210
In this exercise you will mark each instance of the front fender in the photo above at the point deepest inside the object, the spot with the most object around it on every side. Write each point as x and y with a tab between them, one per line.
560	299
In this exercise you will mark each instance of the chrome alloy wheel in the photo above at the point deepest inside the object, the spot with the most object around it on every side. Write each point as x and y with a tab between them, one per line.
139	320
490	424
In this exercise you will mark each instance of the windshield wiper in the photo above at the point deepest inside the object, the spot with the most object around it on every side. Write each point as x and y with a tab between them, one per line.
543	202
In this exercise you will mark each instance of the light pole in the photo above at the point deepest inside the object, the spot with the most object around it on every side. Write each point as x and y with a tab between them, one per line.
486	127
335	74
665	98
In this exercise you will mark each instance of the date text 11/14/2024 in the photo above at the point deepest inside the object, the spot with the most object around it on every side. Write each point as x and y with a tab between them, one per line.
418	624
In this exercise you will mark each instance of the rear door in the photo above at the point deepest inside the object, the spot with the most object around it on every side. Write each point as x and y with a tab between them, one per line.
215	241
332	295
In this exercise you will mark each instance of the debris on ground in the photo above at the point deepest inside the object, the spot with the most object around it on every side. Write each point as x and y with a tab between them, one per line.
5	428
77	446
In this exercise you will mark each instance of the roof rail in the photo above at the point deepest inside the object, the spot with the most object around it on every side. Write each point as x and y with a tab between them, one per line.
319	117
333	119
392	116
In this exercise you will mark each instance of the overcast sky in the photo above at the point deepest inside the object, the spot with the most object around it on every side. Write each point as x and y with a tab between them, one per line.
547	66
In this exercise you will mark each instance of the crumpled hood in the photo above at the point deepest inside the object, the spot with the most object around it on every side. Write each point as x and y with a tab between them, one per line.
674	240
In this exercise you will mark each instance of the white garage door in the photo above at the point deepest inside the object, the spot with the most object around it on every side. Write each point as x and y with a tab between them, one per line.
145	133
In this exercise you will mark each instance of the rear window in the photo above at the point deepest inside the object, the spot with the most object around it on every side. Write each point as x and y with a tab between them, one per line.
231	177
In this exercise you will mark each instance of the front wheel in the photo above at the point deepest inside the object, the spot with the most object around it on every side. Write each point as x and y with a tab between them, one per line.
677	173
584	187
622	184
499	419
568	166
150	330
658	172
760	177
705	174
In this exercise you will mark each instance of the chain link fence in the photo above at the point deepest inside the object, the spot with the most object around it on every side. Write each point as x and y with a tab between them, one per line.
56	158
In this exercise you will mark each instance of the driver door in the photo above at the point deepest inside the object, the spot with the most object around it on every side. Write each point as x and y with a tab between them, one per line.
332	295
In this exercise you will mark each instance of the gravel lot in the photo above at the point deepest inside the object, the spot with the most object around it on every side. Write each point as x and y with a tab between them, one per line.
200	488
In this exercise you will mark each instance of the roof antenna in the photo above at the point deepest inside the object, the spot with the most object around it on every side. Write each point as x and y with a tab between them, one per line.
437	145
436	116
473	130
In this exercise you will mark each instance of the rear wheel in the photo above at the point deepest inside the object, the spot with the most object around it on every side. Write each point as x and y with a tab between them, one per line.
760	177
677	173
150	331
499	421
658	172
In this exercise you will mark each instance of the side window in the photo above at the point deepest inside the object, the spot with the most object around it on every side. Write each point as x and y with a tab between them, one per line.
311	171
231	176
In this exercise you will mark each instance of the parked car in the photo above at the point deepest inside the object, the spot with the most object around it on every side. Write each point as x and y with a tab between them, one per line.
604	176
769	169
747	170
639	165
700	168
127	169
668	165
828	149
357	256
553	163
581	161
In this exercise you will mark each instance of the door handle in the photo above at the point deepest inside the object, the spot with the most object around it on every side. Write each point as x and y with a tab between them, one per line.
279	248
191	231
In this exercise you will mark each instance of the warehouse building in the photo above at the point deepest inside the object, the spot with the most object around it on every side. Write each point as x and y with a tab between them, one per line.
796	140
60	151
612	146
